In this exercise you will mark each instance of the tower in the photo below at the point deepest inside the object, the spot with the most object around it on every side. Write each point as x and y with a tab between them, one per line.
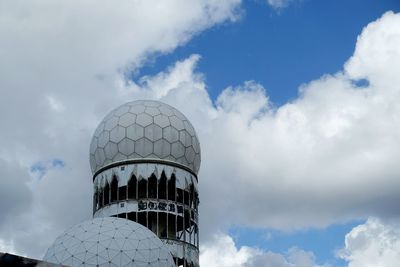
145	157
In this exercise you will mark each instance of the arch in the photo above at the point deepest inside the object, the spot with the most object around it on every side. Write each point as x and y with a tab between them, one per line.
142	188
132	187
162	186
172	188
114	189
152	187
100	198
106	194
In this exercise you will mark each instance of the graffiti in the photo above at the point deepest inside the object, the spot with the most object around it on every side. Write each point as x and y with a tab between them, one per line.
159	206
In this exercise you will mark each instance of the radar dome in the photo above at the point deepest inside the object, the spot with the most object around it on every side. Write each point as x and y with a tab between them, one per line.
109	242
145	130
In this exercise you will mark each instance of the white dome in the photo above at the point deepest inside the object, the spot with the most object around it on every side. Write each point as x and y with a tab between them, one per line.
145	130
109	242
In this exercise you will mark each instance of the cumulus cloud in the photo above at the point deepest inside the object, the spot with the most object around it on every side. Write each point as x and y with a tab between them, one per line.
63	66
373	244
221	251
328	156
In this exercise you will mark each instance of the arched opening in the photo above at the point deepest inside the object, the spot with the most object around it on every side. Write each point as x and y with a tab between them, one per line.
114	189
142	186
100	192
132	186
162	187
106	194
171	188
152	186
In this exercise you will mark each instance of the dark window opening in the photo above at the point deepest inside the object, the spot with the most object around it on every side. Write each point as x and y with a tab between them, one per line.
122	215
132	187
132	216
100	198
192	196
122	192
142	192
106	194
179	228
114	189
179	195
171	188
186	197
152	186
152	221
162	187
171	226
142	218
162	225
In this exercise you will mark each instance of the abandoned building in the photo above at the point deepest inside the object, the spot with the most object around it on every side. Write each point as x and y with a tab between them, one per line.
145	157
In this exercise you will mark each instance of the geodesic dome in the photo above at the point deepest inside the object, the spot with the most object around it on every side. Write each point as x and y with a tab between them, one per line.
109	242
145	130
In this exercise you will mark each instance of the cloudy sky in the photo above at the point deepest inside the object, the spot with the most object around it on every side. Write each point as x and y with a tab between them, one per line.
296	104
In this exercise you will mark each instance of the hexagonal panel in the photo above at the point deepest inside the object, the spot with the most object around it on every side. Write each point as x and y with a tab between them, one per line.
121	110
93	163
143	147
170	134
99	156
151	103
185	138
176	123
152	111
177	150
119	157
197	162
126	146
179	114
103	139
189	128
99	129
161	120
137	109
196	144
93	145
162	148
189	154
183	161
117	134
111	123
111	150
127	119
153	132
144	119
135	132
166	110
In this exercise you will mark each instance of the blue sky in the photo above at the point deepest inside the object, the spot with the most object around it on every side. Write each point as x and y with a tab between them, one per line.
340	139
281	49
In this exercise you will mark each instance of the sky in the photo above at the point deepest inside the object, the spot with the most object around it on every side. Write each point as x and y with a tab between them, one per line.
302	94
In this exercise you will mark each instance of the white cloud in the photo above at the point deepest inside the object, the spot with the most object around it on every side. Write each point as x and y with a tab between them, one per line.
221	251
373	244
278	4
62	68
330	155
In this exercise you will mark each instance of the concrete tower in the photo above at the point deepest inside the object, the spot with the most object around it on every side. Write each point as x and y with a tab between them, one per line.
145	157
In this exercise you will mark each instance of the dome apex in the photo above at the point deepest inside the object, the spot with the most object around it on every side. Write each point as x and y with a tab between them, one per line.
145	129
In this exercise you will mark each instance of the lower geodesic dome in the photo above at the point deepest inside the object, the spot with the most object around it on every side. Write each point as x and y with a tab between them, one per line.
109	242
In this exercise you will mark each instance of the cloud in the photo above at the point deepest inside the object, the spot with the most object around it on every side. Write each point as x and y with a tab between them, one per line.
278	4
373	244
221	251
328	156
63	66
